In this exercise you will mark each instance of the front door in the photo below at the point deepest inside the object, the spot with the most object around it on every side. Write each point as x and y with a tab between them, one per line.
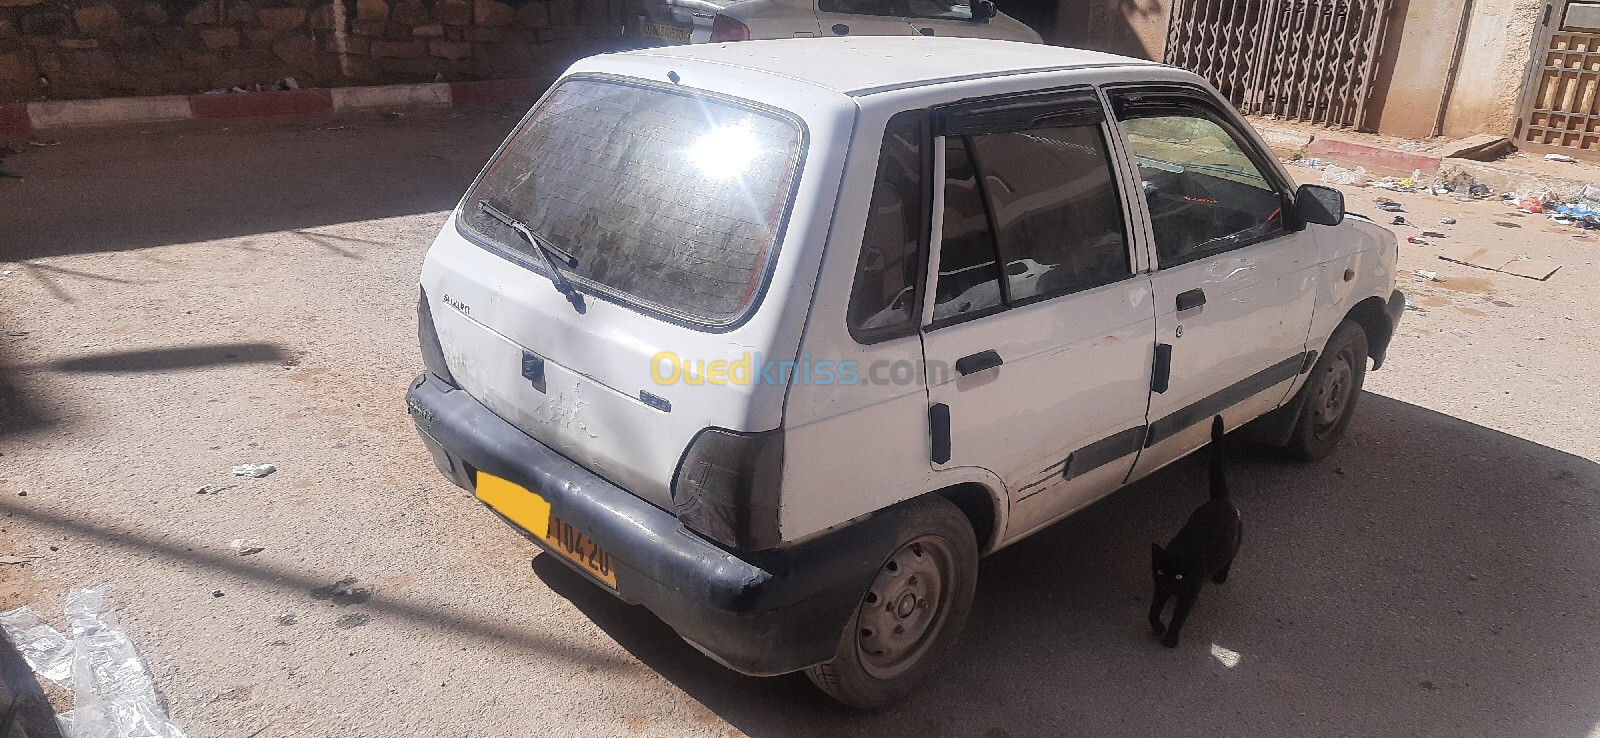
1235	279
1039	333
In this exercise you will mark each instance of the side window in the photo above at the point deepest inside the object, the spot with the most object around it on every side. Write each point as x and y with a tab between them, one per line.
859	7
1028	215
884	301
969	275
1206	195
941	9
1056	210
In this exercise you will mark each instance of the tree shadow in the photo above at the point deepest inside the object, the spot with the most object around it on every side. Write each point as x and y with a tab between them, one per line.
1432	577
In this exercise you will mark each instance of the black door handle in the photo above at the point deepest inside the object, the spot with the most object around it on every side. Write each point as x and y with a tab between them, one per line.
925	31
978	362
1192	299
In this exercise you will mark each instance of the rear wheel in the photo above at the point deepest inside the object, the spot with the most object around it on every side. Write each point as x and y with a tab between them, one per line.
1330	394
911	613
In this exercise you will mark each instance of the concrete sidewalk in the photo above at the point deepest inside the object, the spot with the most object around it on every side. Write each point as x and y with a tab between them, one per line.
1435	159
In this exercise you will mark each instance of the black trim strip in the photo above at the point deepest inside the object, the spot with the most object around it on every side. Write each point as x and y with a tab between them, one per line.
864	91
1089	458
1310	361
1236	393
1103	451
939	432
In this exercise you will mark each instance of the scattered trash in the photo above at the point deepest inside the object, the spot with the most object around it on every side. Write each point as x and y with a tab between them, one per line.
43	647
1426	275
16	560
1391	207
1399	220
1479	191
255	471
245	547
1447	221
113	695
1561	158
1395	185
1417	241
7	272
212	489
216	593
1313	163
1530	205
1432	234
1441	188
290	83
1335	174
1504	224
285	619
42	144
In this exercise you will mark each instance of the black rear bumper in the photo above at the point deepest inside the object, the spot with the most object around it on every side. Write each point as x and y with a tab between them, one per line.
762	613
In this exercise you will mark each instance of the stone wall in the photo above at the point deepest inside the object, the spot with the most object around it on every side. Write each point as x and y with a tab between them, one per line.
63	49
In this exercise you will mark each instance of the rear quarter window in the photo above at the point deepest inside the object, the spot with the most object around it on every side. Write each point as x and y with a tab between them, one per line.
667	199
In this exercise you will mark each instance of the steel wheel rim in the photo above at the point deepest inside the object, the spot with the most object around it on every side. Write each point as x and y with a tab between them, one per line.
1334	393
906	608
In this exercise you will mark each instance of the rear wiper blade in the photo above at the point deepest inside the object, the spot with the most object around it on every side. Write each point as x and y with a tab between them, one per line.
548	252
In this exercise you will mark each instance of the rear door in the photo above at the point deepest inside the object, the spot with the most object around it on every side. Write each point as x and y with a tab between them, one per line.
1235	277
1039	331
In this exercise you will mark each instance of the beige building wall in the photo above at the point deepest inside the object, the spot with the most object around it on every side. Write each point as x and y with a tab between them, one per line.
1489	85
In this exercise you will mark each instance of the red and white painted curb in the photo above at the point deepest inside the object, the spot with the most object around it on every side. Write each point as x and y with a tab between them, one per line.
23	118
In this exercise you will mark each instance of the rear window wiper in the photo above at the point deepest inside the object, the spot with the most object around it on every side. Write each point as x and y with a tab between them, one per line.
548	252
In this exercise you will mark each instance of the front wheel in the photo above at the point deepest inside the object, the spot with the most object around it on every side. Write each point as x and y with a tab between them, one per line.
1330	394
911	613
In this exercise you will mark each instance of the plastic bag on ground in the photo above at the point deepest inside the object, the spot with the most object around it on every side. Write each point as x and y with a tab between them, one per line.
114	697
45	649
1335	174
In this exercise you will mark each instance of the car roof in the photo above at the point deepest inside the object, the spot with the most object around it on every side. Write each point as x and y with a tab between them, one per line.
867	64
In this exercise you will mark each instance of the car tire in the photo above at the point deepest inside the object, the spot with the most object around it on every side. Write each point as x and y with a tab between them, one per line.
913	611
1330	393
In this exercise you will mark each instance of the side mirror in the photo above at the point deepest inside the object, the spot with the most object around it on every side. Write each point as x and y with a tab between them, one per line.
1320	205
983	10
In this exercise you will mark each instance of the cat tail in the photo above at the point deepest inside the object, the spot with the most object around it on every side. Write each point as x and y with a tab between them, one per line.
1219	480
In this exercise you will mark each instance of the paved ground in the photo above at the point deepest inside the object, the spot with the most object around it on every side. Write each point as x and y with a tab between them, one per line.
196	297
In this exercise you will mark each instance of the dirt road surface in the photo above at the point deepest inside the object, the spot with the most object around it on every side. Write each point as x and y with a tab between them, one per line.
182	299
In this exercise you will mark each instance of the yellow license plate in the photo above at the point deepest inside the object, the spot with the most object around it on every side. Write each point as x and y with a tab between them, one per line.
532	513
665	32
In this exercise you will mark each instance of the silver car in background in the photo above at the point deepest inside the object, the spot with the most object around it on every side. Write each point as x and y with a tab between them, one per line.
667	22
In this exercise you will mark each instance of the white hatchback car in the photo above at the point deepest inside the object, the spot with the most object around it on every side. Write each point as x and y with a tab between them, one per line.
662	22
777	338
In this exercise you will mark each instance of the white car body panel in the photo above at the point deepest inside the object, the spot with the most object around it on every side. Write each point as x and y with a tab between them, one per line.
853	449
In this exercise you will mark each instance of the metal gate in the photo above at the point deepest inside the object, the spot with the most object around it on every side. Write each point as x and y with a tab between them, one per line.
1300	60
1562	108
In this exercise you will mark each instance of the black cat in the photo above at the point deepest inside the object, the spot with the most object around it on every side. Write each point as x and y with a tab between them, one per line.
1203	549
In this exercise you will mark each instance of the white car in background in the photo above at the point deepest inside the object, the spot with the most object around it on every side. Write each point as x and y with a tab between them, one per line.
666	22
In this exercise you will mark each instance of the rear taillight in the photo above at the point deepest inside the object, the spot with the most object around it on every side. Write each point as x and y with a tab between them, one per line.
726	488
724	28
428	340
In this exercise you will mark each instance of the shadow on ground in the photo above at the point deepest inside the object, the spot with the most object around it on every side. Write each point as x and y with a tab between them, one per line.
181	357
20	691
129	187
1433	577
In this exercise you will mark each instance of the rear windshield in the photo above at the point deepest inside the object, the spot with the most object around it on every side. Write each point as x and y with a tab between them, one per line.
666	199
